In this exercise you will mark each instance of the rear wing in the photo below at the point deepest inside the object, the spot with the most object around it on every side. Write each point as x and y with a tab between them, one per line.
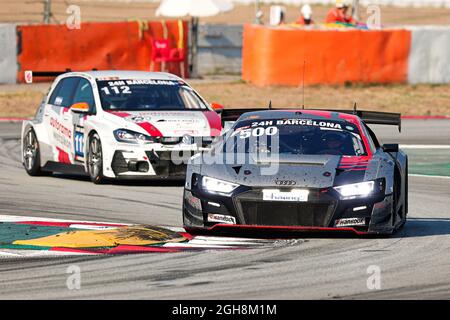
48	73
29	74
228	115
369	117
376	117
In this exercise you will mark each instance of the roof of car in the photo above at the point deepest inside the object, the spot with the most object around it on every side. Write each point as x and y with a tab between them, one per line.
124	74
309	114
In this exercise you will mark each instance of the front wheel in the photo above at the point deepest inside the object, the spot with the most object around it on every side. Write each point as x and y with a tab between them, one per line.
95	159
31	154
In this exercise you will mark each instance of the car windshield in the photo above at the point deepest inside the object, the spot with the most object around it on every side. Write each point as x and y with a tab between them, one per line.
143	95
295	136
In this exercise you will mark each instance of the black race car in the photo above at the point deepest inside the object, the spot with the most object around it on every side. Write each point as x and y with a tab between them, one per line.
299	170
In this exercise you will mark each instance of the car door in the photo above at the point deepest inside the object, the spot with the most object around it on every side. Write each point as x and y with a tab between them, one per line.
58	119
83	93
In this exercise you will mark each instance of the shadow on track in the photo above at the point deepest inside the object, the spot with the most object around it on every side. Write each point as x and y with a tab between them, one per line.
415	227
424	227
129	182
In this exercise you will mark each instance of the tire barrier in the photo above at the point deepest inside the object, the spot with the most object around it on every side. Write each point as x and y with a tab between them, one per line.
280	56
270	56
113	45
289	56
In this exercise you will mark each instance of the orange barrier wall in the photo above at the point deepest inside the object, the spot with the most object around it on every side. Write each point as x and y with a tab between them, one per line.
275	56
116	45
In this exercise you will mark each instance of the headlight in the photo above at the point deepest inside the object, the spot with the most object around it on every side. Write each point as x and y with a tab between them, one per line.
216	185
362	189
129	136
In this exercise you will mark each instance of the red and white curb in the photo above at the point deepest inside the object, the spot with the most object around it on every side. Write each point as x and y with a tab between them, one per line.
191	243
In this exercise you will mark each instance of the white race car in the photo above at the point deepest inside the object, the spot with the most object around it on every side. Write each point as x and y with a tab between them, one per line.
118	124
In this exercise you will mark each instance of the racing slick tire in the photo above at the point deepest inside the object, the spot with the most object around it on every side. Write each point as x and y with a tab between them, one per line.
31	155
95	159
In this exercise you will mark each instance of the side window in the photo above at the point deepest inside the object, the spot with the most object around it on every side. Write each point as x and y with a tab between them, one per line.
374	144
84	93
55	93
62	96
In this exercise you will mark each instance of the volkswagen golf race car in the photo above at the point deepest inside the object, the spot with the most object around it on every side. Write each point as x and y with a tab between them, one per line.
299	170
118	124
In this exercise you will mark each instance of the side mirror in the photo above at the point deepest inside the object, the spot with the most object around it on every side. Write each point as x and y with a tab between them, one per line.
80	107
390	147
217	107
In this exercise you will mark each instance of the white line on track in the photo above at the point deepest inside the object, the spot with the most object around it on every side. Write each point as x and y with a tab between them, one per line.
427	176
20	253
10	218
424	146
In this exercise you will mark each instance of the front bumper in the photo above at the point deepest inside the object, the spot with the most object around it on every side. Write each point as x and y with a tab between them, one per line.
143	162
324	211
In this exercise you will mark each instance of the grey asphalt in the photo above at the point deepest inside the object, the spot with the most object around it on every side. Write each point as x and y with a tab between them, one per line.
414	263
415	131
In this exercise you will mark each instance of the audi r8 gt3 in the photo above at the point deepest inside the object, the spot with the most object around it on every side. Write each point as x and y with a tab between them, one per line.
299	170
118	124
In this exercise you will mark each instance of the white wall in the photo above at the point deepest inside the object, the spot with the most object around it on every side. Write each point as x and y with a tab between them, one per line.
400	3
429	57
8	53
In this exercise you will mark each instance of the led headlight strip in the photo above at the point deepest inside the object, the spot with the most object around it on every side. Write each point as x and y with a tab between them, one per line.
362	189
218	186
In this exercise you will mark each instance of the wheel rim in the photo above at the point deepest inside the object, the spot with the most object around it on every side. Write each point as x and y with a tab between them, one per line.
95	157
30	150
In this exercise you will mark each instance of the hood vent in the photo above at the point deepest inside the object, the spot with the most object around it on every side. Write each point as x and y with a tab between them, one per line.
299	160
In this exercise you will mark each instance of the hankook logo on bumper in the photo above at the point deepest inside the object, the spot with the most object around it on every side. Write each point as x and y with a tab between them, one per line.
221	218
285	182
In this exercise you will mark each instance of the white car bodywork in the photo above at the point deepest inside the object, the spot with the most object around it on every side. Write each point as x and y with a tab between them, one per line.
63	134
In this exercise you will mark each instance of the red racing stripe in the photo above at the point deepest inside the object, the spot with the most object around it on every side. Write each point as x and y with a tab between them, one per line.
120	114
63	157
285	228
215	123
151	129
84	251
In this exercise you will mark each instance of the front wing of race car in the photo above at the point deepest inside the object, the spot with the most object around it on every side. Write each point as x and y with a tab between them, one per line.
246	210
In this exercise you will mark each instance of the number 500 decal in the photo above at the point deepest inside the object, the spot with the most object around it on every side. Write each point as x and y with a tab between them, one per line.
257	132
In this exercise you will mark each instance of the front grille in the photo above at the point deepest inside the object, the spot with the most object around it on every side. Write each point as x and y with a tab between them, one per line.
170	140
252	210
119	164
285	214
164	166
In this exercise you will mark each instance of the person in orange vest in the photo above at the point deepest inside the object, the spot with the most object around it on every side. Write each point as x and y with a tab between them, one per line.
306	16
339	13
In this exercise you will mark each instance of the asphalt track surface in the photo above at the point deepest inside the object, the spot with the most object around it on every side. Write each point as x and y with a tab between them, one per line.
414	263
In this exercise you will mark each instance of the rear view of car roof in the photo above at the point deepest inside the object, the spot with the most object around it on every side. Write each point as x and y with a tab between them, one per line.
299	113
123	74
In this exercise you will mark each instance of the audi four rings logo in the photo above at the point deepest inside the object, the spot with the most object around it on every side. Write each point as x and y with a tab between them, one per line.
285	182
